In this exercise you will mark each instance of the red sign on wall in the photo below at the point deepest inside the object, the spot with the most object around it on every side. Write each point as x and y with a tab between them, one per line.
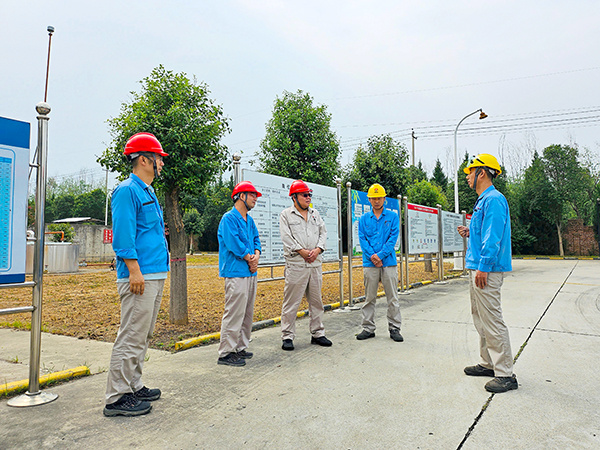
107	237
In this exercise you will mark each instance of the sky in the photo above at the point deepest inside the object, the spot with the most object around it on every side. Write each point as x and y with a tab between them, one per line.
380	67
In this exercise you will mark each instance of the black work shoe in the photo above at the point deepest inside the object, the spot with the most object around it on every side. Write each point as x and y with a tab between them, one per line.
127	405
231	359
288	345
364	334
395	335
502	384
245	354
147	395
478	371
322	341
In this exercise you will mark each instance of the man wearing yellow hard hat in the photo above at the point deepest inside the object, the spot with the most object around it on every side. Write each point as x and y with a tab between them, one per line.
378	232
488	257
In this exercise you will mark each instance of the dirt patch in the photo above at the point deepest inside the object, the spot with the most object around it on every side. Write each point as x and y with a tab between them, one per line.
86	305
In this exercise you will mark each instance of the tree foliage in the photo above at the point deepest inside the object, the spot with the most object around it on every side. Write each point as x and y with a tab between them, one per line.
427	194
188	124
66	228
439	178
299	143
383	160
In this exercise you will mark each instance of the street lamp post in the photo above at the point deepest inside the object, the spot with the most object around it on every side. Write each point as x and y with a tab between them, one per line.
482	115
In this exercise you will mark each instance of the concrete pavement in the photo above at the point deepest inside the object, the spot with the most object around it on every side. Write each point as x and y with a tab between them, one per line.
374	394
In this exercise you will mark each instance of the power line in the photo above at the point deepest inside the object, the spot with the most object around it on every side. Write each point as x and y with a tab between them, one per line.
466	85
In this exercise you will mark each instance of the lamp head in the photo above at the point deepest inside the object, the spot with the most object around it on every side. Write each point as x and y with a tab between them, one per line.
482	115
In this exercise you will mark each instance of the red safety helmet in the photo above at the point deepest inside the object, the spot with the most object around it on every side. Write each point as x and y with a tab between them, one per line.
244	186
299	186
143	142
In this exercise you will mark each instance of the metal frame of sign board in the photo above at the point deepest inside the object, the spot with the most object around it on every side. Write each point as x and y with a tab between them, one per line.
14	167
275	198
422	226
451	240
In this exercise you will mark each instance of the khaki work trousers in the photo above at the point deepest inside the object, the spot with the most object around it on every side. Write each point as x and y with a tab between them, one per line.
389	279
236	326
138	317
494	342
300	281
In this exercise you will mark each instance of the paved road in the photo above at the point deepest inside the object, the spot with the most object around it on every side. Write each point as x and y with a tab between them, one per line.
374	394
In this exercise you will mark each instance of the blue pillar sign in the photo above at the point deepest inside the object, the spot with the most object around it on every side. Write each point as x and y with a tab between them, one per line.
14	165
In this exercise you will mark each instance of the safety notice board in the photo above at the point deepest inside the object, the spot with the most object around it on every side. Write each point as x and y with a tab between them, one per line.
14	166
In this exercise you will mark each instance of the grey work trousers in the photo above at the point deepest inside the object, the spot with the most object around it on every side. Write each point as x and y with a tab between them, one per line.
236	326
494	342
138	317
300	281
389	279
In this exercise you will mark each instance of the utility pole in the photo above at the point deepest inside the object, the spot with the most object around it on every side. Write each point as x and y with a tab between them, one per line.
414	138
106	202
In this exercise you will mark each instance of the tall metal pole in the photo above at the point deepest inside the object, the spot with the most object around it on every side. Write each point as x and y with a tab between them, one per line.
350	245
338	182
106	202
481	116
33	396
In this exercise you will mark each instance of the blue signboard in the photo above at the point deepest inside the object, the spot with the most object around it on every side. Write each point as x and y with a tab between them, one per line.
14	165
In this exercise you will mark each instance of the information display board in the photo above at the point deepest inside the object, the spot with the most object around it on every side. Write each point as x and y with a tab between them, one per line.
14	165
451	240
360	205
275	198
422	229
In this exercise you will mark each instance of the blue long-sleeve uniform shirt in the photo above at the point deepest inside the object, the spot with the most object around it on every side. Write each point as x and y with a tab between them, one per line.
379	236
489	247
237	238
138	228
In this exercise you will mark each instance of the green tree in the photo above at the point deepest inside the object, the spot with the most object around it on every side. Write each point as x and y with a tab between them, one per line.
439	178
67	230
90	204
299	143
416	173
427	194
569	182
382	161
193	225
179	112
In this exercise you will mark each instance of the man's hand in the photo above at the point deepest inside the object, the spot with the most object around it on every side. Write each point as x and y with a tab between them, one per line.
481	279
463	231
136	279
252	261
376	260
312	255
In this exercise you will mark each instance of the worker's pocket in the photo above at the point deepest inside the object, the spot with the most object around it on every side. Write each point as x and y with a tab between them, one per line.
149	212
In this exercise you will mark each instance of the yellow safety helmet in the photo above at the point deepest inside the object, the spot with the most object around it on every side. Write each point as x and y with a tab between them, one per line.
484	160
375	191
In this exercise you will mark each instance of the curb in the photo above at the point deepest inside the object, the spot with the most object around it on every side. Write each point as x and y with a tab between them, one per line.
561	258
195	341
17	386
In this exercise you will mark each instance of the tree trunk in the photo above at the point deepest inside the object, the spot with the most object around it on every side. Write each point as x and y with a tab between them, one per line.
560	241
428	265
178	308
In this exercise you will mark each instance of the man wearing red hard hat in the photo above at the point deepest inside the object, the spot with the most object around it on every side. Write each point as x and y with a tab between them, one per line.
239	251
303	234
142	265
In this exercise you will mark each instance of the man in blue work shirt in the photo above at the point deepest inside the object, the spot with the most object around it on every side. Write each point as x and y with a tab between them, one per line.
488	257
378	232
142	266
239	251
